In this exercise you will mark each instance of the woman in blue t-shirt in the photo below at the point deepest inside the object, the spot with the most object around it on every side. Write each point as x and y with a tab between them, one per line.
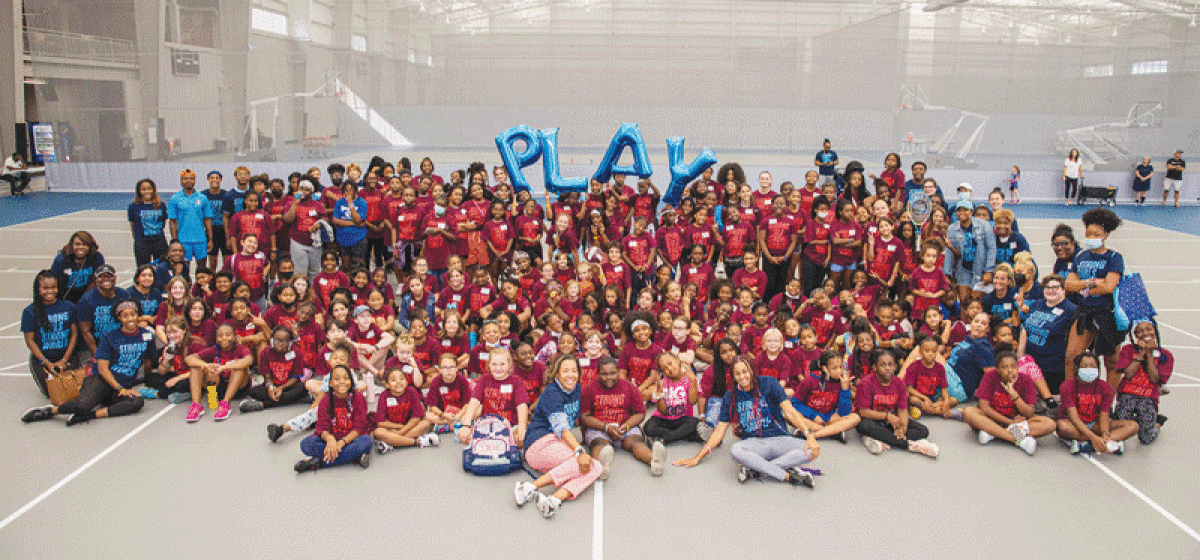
147	220
108	391
50	332
76	264
550	445
760	411
1096	272
1044	337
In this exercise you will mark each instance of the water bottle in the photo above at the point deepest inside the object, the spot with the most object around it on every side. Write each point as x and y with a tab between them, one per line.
212	396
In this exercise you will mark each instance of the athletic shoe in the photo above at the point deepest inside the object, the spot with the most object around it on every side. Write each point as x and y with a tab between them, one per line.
955	414
148	393
524	493
382	448
606	459
1086	448
274	432
1019	430
38	414
873	445
658	458
746	473
985	438
1028	444
309	464
195	412
179	398
548	505
1162	420
800	477
364	460
1116	447
842	437
429	440
1072	446
222	412
705	431
250	405
924	447
80	417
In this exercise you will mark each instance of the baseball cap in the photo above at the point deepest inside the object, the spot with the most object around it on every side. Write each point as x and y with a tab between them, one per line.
360	310
214	172
187	172
967	186
964	204
105	269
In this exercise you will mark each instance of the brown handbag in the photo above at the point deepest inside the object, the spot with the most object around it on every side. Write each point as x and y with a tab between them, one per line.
64	386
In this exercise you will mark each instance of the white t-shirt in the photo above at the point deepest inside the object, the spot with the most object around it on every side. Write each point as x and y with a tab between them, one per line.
1071	168
11	164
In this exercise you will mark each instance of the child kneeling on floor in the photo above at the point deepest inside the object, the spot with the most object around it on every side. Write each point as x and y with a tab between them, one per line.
340	436
400	416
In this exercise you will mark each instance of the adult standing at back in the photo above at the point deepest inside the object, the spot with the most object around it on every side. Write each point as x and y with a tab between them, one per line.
1141	180
1071	168
147	218
218	199
349	215
917	183
190	216
1174	178
826	162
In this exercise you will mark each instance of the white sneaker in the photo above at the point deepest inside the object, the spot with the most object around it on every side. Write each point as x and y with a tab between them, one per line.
382	448
548	505
1019	430
1116	447
924	447
429	440
658	458
525	493
873	445
705	431
985	438
1028	444
606	459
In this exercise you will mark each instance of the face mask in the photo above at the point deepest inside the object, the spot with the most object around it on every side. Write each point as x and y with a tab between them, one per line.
1088	375
964	195
1092	243
822	215
439	210
285	275
1020	279
277	193
336	180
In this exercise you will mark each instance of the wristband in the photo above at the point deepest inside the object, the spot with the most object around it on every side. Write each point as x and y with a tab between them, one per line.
458	424
579	450
708	448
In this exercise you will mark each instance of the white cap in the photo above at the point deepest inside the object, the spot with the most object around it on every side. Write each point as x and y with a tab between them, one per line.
965	185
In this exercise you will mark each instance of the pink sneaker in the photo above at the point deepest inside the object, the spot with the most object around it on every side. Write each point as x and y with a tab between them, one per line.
222	411
195	412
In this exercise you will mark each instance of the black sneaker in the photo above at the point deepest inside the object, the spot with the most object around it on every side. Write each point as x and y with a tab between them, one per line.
746	473
274	432
841	437
250	405
799	477
38	414
364	460
1162	420
309	464
81	417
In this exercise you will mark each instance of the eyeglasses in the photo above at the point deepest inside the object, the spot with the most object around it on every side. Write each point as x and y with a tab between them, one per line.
1052	287
1061	244
447	368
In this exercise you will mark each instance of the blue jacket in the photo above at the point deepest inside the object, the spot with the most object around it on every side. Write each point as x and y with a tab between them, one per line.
985	248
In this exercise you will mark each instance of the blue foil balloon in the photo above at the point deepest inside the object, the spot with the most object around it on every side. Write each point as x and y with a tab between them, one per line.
555	182
682	174
628	136
513	161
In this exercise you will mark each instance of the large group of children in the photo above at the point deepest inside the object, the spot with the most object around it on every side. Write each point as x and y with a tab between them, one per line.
390	306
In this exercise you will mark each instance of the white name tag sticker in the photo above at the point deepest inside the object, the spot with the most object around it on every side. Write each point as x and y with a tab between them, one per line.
312	213
585	362
852	232
704	235
391	401
891	247
486	291
400	218
503	227
445	343
443	390
1013	245
828	316
633	244
1057	311
1008	307
370	334
147	336
693	270
506	388
485	356
323	282
291	355
773	221
456	297
512	307
258	216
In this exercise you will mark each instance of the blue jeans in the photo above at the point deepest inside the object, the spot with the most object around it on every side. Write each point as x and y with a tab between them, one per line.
314	446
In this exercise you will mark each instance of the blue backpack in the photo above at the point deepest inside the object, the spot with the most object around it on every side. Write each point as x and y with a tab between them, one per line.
492	451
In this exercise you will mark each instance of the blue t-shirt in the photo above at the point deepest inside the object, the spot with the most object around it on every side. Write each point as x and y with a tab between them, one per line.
125	353
1005	250
1048	331
759	417
554	401
72	277
968	249
96	309
216	203
349	236
234	201
148	221
54	336
969	359
826	167
147	302
164	272
1090	265
189	212
1002	306
1138	184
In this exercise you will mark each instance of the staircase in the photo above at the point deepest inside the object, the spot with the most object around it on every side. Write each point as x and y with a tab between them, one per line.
369	115
1106	143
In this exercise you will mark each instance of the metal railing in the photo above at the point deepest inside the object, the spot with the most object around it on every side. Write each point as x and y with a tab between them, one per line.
62	44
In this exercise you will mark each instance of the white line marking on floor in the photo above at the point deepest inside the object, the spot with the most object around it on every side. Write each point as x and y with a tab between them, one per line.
1185	376
10	325
68	230
1151	503
1177	329
48	218
1184	385
14	366
82	468
598	521
51	258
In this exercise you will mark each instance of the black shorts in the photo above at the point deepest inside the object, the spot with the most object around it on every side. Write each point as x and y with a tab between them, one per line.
1102	322
218	242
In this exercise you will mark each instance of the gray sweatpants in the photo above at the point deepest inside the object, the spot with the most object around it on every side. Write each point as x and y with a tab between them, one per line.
771	456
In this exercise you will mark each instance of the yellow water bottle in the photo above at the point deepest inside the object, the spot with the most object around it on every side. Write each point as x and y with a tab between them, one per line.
212	396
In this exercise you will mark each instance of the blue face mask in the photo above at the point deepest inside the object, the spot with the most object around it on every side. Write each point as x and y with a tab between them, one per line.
1092	243
1088	375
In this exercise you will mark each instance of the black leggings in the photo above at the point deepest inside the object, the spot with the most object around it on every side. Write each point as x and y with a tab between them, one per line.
39	373
291	395
884	432
1069	187
814	275
777	277
159	383
679	429
94	392
377	248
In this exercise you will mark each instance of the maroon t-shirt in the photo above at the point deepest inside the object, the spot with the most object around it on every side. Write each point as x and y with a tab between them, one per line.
1089	399
887	254
278	368
843	231
277	315
451	298
756	280
738	238
307	214
533	376
991	390
501	397
499	233
928	381
781	367
529	228
637	248
827	323
872	395
448	396
670	243
349	414
407	221
702	274
216	355
932	281
399	409
821	396
246	222
438	248
611	406
816	231
779	231
639	362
